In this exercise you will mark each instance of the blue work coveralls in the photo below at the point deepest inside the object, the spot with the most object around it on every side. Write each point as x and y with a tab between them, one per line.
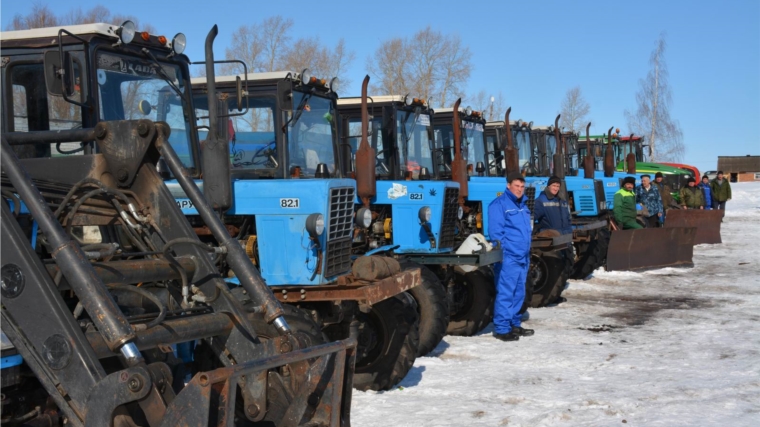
509	223
552	213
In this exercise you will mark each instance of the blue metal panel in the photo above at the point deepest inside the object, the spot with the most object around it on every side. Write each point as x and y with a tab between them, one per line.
280	207
486	190
406	198
612	184
11	361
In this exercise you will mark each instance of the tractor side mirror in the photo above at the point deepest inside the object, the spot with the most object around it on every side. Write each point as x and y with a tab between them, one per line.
239	92
53	71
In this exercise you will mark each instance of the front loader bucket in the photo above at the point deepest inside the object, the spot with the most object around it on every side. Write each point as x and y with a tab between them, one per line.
706	222
650	248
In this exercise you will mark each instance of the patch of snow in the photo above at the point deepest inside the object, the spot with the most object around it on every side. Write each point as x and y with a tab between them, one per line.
670	347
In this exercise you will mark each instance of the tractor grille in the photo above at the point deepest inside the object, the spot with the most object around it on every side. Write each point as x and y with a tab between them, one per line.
339	231
338	257
586	203
449	218
341	213
600	196
530	193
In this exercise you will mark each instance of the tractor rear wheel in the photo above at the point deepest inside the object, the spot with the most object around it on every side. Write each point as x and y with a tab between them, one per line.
472	299
432	306
548	272
388	342
591	255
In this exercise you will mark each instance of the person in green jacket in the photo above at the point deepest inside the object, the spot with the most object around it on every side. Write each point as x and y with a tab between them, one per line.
721	192
692	196
624	205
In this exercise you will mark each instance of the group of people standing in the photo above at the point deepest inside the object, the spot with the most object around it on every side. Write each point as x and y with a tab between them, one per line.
655	198
510	224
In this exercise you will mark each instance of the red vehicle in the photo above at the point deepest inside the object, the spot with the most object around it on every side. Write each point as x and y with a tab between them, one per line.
692	169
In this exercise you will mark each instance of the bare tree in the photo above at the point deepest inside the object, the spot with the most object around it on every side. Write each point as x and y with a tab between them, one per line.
40	16
652	116
574	110
321	60
389	65
430	64
492	106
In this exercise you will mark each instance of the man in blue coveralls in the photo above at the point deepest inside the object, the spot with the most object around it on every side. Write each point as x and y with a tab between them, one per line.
509	223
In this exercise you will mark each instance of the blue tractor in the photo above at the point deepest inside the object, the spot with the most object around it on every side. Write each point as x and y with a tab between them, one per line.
105	284
486	167
273	168
412	215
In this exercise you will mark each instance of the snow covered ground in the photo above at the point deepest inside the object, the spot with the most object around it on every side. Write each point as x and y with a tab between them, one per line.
661	348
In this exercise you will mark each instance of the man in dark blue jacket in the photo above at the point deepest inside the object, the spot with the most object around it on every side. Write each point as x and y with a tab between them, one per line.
551	212
509	223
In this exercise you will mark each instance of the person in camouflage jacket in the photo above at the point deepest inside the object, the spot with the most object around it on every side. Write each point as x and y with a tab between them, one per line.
649	196
692	196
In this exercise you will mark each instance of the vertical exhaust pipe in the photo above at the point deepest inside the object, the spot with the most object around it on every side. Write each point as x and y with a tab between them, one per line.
588	161
511	155
630	159
458	166
559	157
609	156
365	156
217	184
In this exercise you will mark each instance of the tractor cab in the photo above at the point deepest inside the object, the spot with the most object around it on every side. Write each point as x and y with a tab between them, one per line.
525	144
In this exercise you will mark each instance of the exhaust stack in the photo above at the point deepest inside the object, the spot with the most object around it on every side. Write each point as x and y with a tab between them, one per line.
511	156
588	161
609	160
559	157
630	159
365	156
217	185
458	166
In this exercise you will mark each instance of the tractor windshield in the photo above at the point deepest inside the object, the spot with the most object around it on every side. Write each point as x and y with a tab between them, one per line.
524	149
375	139
132	88
473	147
311	133
415	146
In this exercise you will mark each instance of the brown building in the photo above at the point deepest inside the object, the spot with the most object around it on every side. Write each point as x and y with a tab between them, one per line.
740	168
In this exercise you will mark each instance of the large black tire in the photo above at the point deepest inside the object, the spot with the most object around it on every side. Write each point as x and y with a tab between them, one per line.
529	285
549	272
388	342
591	255
471	306
432	306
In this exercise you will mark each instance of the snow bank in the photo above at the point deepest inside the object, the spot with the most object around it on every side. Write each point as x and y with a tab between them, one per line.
666	347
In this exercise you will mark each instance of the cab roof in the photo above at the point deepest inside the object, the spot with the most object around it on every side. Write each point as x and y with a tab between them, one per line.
252	77
357	100
107	30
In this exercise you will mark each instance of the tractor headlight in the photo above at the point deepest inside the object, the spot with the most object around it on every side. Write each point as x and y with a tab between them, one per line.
126	32
315	225
407	100
363	218
178	43
460	212
305	76
424	214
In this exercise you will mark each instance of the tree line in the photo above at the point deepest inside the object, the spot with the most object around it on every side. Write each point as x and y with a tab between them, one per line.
429	64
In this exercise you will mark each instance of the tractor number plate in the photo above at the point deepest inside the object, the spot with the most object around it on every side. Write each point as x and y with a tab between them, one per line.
415	196
184	203
290	203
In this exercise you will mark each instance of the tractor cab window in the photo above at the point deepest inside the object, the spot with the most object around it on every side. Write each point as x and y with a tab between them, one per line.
34	109
495	160
311	133
375	139
131	88
551	148
444	149
415	147
525	152
473	150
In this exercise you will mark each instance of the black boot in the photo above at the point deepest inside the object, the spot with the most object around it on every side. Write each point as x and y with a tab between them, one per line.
523	332
509	336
